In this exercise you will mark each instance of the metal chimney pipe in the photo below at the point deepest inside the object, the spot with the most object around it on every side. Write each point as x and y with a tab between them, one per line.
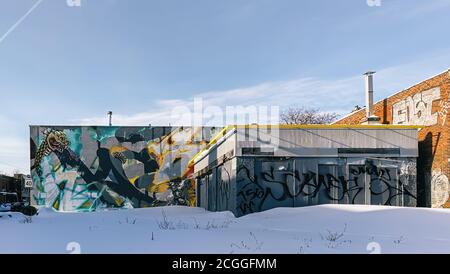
110	117
369	93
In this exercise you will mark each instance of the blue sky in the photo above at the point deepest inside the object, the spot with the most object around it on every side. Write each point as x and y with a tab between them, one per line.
142	58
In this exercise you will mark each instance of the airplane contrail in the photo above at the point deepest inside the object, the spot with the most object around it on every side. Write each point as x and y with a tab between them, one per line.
11	29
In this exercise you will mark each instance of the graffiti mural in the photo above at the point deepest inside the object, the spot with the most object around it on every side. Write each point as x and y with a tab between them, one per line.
443	111
439	189
418	109
86	168
265	184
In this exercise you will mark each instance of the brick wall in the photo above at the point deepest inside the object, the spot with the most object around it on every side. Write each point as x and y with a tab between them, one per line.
426	104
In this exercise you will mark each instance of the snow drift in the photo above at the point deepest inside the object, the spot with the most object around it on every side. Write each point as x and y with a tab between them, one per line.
315	229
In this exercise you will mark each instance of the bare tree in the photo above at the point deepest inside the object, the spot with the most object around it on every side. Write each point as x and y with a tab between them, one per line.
302	116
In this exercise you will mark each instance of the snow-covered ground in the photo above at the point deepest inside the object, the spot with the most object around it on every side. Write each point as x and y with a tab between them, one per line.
316	229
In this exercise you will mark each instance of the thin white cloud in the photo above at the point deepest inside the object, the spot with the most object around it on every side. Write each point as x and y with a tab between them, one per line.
333	95
19	21
339	95
300	91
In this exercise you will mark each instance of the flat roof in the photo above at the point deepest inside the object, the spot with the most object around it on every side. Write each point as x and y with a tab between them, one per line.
325	126
331	126
256	126
106	126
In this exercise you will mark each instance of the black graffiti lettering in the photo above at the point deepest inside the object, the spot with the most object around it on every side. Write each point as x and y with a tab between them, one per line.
274	185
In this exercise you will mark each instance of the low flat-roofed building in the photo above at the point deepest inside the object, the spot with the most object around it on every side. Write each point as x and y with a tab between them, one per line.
253	168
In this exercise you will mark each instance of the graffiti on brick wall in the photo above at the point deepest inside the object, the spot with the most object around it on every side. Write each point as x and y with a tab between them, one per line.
417	109
443	111
283	185
439	188
85	168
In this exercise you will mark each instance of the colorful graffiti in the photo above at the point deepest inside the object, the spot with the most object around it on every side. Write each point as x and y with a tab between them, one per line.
86	168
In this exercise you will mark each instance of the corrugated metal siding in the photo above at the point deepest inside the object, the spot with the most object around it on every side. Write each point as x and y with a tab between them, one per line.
289	141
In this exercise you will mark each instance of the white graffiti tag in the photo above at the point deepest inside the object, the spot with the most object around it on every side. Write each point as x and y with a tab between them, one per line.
443	110
439	189
417	109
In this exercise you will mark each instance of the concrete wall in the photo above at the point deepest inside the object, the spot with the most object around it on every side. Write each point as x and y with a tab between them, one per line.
85	168
425	104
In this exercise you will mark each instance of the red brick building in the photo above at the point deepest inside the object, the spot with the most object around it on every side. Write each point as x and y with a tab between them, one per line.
424	104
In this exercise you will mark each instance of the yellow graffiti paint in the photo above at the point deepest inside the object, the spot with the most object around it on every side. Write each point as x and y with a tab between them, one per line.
159	187
133	180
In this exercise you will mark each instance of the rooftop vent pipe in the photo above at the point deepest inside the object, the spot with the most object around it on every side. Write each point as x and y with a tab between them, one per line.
110	118
370	117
